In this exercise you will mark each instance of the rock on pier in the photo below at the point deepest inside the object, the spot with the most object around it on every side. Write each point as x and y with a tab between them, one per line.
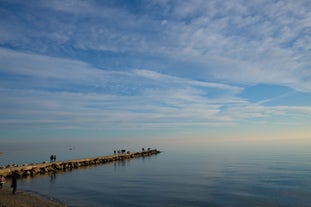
43	168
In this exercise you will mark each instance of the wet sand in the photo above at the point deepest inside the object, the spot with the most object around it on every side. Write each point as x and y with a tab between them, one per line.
23	199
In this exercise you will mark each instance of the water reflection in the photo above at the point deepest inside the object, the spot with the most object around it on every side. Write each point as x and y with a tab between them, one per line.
53	178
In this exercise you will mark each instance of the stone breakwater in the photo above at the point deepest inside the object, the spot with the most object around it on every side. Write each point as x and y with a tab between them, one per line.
54	167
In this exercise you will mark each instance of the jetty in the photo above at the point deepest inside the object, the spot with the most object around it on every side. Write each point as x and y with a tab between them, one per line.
54	167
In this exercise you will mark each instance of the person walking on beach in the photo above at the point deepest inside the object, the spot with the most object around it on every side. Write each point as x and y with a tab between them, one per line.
14	182
51	158
2	181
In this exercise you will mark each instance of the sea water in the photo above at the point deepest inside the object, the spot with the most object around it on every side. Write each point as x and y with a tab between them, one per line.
222	175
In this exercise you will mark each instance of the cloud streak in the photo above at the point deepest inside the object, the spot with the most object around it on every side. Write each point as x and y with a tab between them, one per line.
153	64
236	41
53	92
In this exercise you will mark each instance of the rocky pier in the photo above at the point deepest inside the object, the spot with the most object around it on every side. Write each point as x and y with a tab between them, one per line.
54	167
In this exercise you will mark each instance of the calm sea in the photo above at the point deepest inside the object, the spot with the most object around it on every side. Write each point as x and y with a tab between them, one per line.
203	175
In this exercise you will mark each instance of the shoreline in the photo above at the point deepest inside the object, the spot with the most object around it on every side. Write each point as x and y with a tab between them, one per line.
26	199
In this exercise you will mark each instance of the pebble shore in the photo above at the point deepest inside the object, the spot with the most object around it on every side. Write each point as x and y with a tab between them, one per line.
23	199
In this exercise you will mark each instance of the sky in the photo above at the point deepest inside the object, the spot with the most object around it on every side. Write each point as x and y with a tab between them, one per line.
234	69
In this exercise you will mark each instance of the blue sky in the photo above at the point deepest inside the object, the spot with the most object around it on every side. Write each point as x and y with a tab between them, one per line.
165	68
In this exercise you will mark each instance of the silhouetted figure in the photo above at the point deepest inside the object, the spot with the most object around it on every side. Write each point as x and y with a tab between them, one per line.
51	158
54	158
14	182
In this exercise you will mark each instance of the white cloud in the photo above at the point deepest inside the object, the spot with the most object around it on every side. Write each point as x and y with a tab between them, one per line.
129	93
245	43
235	43
115	99
29	64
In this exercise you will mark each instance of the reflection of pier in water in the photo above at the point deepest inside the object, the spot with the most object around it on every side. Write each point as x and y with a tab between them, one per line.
54	167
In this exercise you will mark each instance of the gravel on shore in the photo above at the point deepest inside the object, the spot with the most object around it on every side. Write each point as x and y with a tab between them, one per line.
24	199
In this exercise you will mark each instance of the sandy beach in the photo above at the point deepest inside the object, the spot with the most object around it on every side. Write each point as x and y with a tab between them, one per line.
23	199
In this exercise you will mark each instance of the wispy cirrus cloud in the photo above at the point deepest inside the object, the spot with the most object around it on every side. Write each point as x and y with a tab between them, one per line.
235	41
44	90
154	64
250	44
81	96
